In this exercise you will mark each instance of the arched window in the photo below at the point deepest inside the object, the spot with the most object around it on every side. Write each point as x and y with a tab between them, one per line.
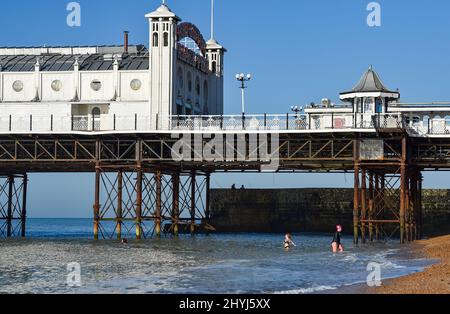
180	78
214	67
197	86
166	39
189	80
180	82
205	94
96	112
155	40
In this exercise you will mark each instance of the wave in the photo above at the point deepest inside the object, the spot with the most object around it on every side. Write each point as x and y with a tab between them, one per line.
307	290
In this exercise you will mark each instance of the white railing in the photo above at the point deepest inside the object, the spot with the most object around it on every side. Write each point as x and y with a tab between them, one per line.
132	123
435	126
286	122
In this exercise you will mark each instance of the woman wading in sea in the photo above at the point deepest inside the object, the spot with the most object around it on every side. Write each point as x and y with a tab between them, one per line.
288	243
336	245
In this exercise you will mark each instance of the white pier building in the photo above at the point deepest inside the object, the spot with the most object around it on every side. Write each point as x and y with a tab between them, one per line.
176	83
179	74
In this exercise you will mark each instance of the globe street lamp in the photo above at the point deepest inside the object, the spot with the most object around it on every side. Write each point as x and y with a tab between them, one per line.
243	78
298	119
297	110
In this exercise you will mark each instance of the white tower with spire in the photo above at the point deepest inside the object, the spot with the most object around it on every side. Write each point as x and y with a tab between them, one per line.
215	54
163	42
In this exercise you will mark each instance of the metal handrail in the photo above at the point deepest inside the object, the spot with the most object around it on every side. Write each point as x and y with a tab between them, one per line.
211	123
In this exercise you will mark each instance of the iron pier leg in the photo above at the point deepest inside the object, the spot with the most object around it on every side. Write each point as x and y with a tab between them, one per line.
408	220
139	203
371	205
416	195
377	235
382	201
158	178
175	203
356	205
97	202
363	205
9	215
403	182
193	207
375	211
208	201
413	205
24	205
420	208
356	192
119	214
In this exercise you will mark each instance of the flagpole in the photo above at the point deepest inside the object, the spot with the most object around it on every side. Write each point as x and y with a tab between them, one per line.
212	19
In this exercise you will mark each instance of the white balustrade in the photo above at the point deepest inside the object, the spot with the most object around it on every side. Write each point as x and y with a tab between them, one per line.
419	125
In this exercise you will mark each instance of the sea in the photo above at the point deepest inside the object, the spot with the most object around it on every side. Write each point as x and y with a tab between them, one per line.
60	256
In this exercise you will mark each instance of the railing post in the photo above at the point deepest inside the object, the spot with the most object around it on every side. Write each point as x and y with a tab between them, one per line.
114	122
135	121
178	121
71	122
379	120
10	123
354	120
31	122
287	121
51	123
309	121
243	121
332	120
93	123
157	121
265	121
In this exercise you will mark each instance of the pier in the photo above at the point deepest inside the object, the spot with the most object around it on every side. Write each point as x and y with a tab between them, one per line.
148	121
138	180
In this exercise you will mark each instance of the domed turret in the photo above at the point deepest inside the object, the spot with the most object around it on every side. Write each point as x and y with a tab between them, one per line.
370	95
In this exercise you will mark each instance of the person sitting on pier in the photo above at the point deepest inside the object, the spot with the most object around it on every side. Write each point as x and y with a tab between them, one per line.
288	241
336	245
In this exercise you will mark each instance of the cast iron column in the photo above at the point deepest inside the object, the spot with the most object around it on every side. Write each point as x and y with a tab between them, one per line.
24	205
97	202
158	178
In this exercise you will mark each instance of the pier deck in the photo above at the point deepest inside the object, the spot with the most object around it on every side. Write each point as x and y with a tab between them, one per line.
158	179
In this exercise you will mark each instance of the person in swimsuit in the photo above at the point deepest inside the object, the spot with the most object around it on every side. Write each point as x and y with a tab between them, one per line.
288	243
336	245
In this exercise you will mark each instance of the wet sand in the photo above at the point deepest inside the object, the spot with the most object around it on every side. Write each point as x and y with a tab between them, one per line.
434	280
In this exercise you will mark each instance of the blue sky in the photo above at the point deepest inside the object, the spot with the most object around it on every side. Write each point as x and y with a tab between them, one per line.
298	51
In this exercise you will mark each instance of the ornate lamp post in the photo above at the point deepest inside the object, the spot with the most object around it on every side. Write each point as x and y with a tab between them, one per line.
297	110
243	78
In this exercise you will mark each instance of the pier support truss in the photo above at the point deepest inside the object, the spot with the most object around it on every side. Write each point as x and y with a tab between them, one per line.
387	199
144	202
13	205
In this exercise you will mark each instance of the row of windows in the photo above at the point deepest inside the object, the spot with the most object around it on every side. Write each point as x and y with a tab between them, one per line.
155	39
156	27
57	85
180	79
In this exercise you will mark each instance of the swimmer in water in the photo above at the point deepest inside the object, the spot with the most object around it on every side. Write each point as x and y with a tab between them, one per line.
336	245
288	243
